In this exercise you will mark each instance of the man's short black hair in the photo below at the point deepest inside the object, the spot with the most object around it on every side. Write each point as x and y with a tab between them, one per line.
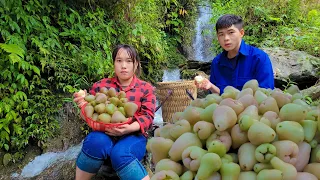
228	20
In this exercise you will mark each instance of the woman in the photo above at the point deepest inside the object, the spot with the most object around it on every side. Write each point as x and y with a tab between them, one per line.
125	145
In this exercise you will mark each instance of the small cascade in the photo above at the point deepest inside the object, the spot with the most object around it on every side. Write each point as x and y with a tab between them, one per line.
171	75
202	44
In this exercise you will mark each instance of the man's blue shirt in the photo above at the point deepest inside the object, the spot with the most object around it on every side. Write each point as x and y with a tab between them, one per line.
253	63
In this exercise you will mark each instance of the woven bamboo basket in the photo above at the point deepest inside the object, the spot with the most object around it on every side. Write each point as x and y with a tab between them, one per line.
178	100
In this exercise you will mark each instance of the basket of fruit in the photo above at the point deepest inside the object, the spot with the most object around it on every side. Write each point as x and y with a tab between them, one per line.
107	109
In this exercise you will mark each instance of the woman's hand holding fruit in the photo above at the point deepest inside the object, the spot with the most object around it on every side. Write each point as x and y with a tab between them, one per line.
79	98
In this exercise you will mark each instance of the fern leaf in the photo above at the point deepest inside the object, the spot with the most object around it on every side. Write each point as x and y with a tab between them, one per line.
12	48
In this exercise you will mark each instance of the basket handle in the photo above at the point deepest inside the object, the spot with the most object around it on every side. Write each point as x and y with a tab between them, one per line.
169	94
189	94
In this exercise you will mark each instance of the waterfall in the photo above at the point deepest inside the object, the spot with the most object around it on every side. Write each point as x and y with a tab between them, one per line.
202	44
171	75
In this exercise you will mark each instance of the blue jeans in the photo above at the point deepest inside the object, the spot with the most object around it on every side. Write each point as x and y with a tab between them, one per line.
125	154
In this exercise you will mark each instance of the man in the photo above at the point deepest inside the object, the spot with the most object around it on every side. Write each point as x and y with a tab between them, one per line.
239	62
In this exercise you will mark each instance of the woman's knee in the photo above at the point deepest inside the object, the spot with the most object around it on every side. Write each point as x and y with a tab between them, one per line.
134	171
97	145
124	152
88	164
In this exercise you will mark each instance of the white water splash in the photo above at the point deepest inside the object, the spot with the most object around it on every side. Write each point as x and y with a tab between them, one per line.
203	40
168	75
171	75
44	161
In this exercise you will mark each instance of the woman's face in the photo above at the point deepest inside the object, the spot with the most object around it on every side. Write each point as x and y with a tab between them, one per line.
124	67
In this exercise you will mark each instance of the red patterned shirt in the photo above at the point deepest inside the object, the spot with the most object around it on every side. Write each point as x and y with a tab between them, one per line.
139	92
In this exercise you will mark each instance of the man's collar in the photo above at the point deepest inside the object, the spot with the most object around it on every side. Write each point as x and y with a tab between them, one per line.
244	48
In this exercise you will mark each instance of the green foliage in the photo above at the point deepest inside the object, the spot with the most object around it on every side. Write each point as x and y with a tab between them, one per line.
188	73
22	118
288	83
50	49
180	23
290	23
141	27
47	49
156	29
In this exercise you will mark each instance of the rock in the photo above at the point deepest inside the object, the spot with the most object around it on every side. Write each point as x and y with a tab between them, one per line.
293	65
31	153
70	132
65	170
201	66
313	92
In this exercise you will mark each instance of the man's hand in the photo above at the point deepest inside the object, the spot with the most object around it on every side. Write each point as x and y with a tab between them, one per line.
123	129
205	84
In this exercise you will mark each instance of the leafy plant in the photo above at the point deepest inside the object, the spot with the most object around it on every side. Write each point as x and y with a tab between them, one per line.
50	49
289	83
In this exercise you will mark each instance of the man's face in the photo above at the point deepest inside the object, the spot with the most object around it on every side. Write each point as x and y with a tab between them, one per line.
230	38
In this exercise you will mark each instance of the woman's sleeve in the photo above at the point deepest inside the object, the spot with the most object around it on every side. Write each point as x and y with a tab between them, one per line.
146	114
92	90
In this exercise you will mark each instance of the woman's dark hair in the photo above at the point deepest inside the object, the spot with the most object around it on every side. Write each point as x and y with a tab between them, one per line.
228	20
132	54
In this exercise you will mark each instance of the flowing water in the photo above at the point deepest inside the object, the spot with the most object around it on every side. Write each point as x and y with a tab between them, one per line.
44	161
40	163
171	75
202	45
